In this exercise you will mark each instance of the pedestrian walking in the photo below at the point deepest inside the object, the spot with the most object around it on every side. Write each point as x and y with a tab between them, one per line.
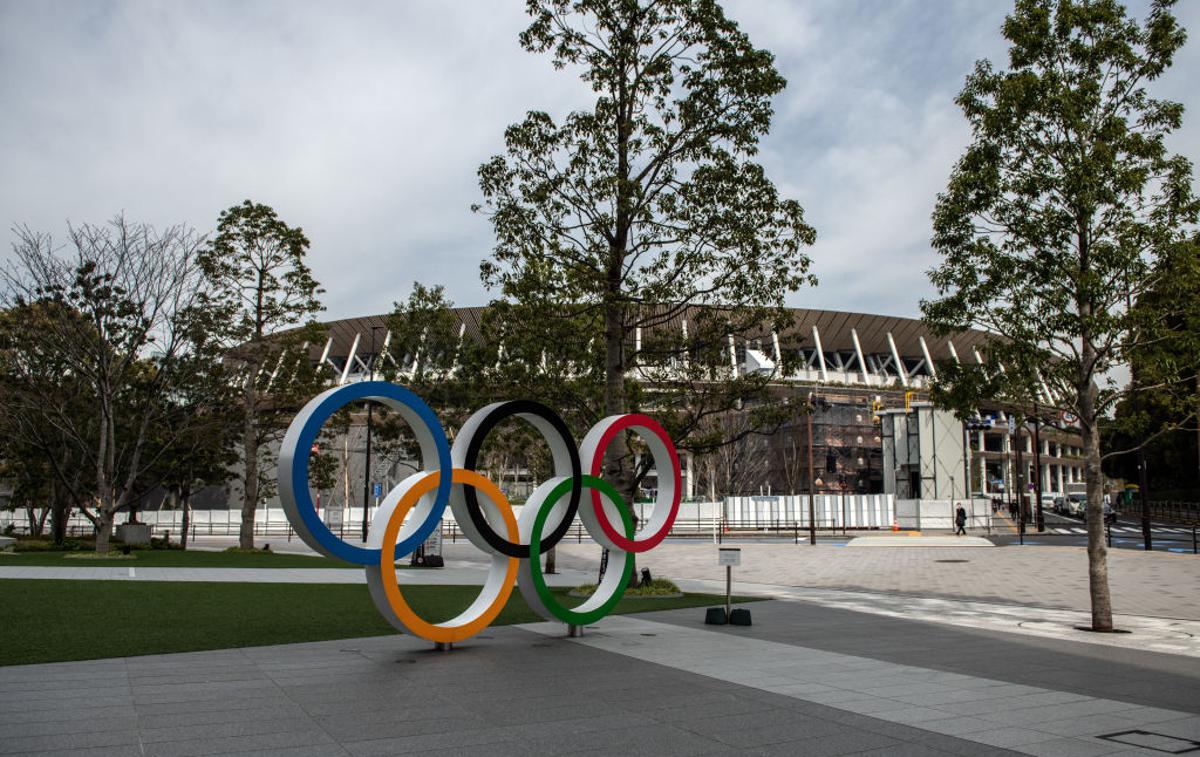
960	521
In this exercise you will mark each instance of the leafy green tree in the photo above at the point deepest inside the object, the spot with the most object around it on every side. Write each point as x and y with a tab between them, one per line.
201	428
1160	420
39	459
1054	220
261	291
642	212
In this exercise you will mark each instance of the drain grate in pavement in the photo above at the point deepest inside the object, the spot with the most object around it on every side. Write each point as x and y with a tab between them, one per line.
1159	742
952	561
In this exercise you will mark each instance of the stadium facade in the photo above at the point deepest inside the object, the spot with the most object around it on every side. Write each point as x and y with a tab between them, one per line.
872	431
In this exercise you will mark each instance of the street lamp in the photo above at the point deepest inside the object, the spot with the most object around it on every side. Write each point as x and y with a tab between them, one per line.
367	469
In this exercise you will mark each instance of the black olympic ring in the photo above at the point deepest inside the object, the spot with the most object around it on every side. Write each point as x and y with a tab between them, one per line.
498	413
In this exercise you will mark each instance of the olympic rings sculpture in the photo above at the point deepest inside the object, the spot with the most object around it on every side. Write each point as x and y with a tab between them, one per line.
412	510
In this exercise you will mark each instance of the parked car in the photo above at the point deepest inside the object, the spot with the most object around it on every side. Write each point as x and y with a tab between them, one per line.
1076	504
1110	515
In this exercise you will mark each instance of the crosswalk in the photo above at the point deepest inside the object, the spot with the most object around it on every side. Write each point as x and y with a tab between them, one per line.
1081	530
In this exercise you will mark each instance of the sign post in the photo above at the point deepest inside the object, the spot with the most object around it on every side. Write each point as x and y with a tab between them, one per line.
729	556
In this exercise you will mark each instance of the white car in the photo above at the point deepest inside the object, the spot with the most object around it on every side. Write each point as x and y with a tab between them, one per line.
1076	504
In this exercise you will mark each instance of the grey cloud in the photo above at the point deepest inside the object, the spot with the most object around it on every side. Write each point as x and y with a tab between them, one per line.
365	124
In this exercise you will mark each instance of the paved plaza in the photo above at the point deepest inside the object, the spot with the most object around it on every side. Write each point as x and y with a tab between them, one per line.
1144	584
872	650
803	680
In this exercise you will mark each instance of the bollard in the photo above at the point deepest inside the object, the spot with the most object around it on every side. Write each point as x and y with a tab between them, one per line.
1108	533
1194	540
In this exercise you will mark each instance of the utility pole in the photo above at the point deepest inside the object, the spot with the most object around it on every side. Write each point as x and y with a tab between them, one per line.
1037	468
1143	487
1019	480
367	468
812	493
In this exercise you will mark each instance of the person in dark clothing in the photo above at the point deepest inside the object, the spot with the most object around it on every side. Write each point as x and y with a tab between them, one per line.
960	521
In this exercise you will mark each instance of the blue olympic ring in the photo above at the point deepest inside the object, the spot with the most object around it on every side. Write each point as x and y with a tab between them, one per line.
297	443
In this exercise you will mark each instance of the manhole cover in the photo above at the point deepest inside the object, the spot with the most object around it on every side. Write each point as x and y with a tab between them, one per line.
952	561
1159	742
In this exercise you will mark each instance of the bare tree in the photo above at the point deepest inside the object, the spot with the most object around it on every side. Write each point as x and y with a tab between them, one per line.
112	310
740	466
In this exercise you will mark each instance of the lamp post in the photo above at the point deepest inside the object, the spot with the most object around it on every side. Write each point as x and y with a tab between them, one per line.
1037	469
812	493
367	468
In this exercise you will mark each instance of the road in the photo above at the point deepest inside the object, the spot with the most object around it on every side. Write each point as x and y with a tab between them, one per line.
1063	530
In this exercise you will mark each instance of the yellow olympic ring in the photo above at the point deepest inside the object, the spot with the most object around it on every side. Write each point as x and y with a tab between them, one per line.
495	592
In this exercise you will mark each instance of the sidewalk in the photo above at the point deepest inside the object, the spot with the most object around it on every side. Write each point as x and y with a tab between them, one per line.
804	679
1144	584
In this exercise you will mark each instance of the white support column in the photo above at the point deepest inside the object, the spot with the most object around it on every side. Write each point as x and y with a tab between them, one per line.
686	360
325	352
862	361
732	356
637	340
689	482
899	363
953	352
350	359
385	350
928	358
462	329
301	355
775	344
978	357
275	371
820	353
1049	398
416	363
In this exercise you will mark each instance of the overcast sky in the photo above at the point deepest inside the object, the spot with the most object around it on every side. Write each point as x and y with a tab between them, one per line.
364	123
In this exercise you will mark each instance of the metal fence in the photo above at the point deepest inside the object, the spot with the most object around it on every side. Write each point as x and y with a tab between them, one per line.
1173	512
773	515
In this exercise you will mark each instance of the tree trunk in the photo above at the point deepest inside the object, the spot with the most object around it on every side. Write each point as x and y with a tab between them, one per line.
250	472
614	404
60	512
185	504
36	522
104	529
1094	477
551	566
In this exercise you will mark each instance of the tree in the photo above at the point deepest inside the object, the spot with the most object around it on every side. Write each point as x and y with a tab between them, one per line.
261	288
114	316
645	211
201	428
1054	220
40	460
1160	420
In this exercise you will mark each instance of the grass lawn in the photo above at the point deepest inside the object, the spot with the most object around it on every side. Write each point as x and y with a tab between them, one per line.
176	558
53	621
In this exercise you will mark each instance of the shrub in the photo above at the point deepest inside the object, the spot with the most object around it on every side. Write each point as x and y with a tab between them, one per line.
658	587
239	551
112	554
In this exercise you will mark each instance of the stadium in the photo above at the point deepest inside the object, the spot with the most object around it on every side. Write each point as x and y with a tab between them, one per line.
872	432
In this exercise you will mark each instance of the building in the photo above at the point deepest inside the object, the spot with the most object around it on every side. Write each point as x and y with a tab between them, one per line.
864	374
